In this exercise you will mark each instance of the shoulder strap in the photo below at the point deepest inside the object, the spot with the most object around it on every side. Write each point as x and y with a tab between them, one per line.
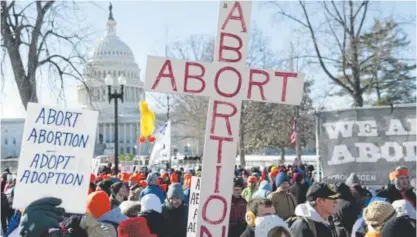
311	225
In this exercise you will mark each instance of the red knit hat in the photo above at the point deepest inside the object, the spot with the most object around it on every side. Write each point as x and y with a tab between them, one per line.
98	204
134	227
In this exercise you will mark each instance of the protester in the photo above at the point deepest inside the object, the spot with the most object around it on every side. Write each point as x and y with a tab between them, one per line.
187	188
284	202
152	211
402	226
135	227
360	228
250	188
237	223
119	194
153	188
347	211
264	190
376	215
400	189
257	207
271	225
313	216
298	189
98	205
175	211
130	208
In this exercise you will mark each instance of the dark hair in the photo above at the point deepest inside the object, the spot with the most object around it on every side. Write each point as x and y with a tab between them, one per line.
238	182
278	231
256	202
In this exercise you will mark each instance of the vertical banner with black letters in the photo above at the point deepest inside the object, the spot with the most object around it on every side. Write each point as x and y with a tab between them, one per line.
370	142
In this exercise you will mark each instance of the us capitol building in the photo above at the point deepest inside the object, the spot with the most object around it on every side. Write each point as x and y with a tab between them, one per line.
110	56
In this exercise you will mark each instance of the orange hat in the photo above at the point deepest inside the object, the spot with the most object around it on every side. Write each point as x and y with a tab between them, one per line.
141	176
188	176
92	178
134	178
124	177
395	174
143	183
174	178
98	204
187	182
252	179
164	187
106	176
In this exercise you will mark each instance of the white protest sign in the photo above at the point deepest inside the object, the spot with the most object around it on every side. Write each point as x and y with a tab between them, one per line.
95	166
193	206
56	156
127	166
227	82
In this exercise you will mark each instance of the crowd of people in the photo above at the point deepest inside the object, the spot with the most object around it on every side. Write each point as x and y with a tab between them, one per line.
275	201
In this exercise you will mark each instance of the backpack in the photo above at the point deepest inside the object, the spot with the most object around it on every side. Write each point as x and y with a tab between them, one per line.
291	220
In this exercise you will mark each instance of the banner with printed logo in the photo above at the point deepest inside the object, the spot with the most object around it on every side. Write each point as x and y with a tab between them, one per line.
370	142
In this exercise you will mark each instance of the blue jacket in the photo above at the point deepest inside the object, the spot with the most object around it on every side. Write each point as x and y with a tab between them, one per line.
153	189
187	196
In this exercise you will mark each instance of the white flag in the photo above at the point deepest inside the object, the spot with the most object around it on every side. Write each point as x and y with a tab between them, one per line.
162	148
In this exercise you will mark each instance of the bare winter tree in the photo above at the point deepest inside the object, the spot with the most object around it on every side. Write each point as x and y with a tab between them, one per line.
344	22
39	37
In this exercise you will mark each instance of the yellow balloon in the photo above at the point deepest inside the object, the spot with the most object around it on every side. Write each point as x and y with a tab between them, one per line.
147	120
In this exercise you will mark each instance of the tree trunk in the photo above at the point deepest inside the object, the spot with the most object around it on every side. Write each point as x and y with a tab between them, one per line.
282	153
358	99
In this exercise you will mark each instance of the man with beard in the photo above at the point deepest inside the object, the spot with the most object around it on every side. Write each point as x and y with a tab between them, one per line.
175	212
400	187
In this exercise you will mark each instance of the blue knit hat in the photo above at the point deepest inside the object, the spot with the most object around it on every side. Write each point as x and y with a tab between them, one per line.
281	178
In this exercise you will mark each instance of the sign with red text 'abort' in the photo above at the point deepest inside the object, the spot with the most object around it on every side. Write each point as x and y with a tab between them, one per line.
227	81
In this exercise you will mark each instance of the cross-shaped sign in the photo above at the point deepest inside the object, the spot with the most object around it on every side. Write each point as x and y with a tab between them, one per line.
226	82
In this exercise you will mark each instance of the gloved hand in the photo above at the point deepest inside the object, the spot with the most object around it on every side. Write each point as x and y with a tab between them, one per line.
40	216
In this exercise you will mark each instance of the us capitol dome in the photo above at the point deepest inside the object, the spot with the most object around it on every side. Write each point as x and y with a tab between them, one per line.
112	56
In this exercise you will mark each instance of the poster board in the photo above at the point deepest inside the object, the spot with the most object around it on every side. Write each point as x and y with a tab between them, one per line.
56	156
193	206
370	142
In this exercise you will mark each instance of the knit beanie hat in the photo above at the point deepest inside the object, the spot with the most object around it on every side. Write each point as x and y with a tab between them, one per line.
98	204
266	223
130	208
297	177
352	180
404	208
175	191
134	227
281	178
377	213
151	202
115	188
105	186
152	178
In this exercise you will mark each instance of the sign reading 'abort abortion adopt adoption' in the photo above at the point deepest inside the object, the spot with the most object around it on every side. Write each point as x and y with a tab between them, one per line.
55	158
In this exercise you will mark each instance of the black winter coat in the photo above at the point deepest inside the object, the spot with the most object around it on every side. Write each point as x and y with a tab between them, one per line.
249	232
300	229
177	220
299	191
347	211
393	194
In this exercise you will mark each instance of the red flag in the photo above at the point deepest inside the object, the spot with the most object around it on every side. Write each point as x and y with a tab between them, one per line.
293	135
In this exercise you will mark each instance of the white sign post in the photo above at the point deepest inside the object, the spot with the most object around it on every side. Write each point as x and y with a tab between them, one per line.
56	156
226	82
193	206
